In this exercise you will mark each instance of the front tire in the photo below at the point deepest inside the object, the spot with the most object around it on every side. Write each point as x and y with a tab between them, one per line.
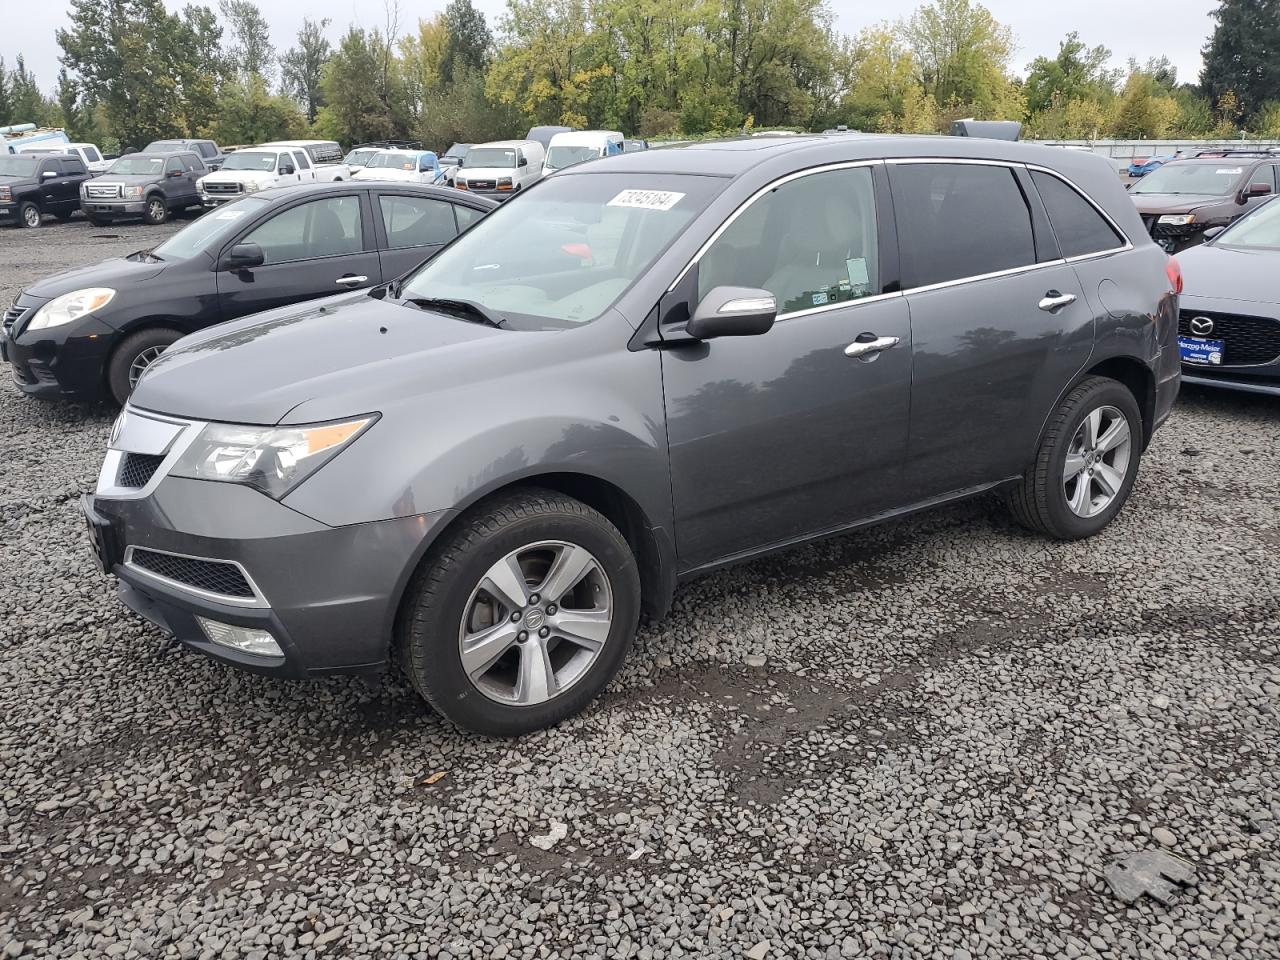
29	215
156	211
131	359
1086	465
522	615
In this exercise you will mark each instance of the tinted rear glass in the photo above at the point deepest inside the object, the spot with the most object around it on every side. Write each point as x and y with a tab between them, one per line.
960	220
1079	227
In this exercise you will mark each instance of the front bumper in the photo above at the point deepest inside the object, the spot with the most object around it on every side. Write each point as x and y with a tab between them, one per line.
113	208
60	363
328	595
211	200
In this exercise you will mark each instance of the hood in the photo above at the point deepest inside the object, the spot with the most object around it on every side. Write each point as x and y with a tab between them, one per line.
230	176
387	173
1149	203
487	173
131	177
1211	272
116	273
347	353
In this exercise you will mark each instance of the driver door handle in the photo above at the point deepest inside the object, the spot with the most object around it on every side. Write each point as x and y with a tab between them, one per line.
865	349
1053	300
350	281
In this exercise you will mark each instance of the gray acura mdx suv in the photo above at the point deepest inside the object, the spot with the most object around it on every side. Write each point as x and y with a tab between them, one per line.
645	368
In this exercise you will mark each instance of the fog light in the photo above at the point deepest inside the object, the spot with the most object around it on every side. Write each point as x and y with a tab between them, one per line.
249	640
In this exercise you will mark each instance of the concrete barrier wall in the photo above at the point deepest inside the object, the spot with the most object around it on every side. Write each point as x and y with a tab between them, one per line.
1123	151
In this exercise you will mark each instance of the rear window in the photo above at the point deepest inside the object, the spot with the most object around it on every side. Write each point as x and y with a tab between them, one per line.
73	166
1079	227
960	220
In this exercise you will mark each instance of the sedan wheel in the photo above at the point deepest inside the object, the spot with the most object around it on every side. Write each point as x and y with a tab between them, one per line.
140	364
536	623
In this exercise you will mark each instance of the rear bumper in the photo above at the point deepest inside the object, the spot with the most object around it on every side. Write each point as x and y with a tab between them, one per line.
328	594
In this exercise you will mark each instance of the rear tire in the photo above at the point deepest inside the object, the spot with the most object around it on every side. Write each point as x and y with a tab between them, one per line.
1086	465
133	356
29	215
156	211
491	653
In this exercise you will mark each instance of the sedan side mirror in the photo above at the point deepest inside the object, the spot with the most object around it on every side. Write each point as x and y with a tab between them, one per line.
733	312
245	255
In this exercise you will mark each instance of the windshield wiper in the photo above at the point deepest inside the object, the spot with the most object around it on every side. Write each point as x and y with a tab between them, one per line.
460	308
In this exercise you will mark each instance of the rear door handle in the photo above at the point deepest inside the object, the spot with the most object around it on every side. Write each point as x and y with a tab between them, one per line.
350	281
865	349
1053	301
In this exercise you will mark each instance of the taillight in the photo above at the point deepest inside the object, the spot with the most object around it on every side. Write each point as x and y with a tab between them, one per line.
1174	273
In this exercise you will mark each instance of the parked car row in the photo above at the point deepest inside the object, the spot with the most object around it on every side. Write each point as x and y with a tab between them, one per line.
488	463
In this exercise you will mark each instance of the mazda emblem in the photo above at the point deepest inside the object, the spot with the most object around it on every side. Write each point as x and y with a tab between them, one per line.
1201	326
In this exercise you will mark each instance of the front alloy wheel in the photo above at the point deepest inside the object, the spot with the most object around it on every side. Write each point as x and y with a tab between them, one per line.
156	212
140	363
536	623
1097	462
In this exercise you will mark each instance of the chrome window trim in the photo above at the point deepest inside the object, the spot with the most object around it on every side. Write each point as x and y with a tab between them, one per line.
257	601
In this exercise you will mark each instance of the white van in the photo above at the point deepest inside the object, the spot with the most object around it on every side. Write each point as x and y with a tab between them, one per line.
325	156
566	149
501	168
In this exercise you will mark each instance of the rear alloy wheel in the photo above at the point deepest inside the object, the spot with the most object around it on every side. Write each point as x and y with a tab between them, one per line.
29	215
522	615
134	356
155	212
1086	465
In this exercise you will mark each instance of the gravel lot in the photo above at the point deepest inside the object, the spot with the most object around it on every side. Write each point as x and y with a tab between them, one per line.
927	740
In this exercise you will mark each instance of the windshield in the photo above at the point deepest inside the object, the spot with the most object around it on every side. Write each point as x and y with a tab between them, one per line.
209	231
490	157
163	146
394	161
358	158
250	160
18	166
560	157
1212	179
458	151
1260	230
136	163
563	253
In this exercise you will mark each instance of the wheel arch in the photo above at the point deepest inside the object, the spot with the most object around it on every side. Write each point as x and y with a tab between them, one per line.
1140	381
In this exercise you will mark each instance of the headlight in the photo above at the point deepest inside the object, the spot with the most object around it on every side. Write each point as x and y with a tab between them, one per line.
271	459
200	184
70	306
251	186
460	183
1179	219
131	192
504	183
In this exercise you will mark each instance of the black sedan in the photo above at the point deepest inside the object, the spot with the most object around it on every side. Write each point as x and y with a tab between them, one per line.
88	333
1229	326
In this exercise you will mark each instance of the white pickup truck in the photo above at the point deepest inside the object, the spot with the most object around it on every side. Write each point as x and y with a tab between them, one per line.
278	164
87	152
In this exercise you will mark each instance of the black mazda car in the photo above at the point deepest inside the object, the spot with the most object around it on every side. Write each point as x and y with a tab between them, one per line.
88	333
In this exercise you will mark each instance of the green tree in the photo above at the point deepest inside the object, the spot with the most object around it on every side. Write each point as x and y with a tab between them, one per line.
249	113
27	103
363	101
248	36
302	67
1242	56
1142	110
469	41
6	96
1077	72
962	54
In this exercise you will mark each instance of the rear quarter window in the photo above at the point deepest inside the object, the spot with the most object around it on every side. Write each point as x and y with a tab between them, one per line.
1079	227
74	166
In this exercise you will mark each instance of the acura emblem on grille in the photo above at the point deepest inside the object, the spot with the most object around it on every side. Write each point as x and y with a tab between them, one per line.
1201	326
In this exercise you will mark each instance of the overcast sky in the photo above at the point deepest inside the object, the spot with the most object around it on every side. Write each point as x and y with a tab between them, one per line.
1174	28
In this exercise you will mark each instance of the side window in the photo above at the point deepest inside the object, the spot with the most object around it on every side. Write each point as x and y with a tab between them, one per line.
319	228
416	221
92	154
467	217
74	166
172	165
206	148
810	242
959	220
1079	227
50	166
193	164
300	160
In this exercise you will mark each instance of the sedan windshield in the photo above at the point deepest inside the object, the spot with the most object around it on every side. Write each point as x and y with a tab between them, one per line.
393	160
136	164
560	157
1206	179
208	233
563	253
1260	230
490	157
18	166
251	160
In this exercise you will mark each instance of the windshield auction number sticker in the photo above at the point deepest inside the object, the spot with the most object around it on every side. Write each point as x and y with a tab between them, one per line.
647	199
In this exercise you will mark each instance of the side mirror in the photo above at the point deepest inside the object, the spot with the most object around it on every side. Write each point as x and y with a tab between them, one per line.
1258	189
524	161
1212	232
733	312
173	174
286	169
245	255
48	174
